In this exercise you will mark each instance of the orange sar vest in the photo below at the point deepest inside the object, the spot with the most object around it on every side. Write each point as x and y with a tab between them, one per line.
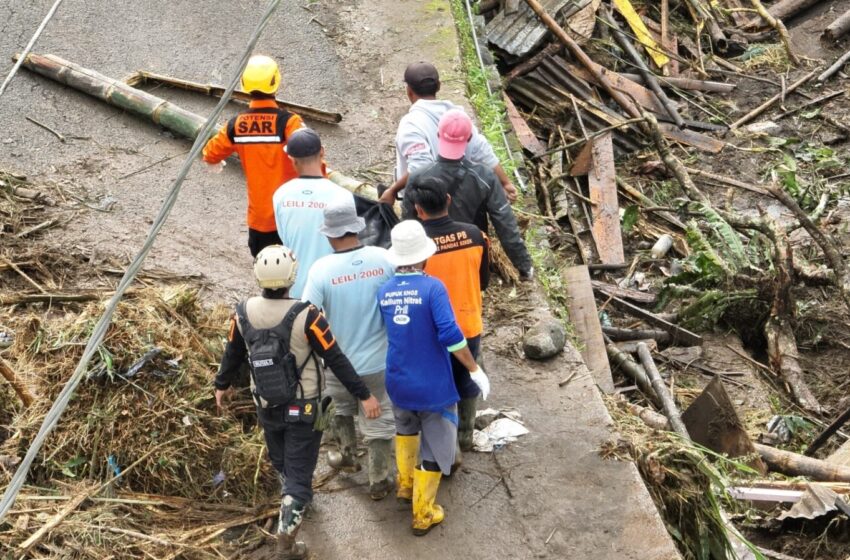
258	137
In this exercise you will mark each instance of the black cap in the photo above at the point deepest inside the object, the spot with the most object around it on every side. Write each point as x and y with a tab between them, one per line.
304	142
422	77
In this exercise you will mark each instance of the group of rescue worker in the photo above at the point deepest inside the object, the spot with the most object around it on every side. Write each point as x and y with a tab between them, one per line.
399	328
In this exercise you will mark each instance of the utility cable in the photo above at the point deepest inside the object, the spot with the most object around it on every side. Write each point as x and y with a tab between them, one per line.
99	332
27	50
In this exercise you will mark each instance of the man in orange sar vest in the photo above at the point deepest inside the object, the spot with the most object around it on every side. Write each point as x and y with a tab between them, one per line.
258	136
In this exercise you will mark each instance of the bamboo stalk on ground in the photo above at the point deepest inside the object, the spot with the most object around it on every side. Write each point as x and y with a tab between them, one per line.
777	24
767	104
785	9
836	66
838	27
671	411
634	370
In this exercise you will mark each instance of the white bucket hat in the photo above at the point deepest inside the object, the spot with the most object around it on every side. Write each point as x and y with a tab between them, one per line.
410	244
341	218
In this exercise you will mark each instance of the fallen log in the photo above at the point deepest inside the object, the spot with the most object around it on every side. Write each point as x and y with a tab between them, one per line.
20	299
671	411
582	57
20	389
785	9
624	335
794	464
838	27
767	104
631	346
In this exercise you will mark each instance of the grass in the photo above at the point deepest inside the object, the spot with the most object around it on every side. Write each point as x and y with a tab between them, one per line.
489	107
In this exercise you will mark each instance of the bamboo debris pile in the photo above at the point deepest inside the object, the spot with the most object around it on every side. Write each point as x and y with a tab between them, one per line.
146	425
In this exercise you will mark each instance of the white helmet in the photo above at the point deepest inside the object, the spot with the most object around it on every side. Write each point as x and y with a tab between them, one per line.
275	267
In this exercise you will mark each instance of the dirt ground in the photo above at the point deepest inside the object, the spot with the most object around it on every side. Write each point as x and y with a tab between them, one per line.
549	494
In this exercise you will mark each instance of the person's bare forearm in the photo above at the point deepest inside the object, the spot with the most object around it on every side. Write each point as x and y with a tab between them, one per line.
500	173
392	192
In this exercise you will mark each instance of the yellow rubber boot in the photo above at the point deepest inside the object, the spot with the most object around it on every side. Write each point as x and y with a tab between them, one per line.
406	451
426	513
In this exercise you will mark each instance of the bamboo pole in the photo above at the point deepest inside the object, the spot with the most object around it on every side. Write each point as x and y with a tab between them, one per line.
671	411
116	93
789	8
836	66
632	369
794	464
838	27
685	83
767	104
582	57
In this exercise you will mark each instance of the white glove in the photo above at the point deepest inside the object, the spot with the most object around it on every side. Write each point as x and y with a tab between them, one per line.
215	168
480	378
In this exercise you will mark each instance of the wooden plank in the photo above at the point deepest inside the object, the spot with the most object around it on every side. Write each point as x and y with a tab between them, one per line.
602	183
523	132
582	162
585	318
680	336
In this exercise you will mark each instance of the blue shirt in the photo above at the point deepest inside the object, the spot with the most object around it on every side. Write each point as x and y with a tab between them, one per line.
345	285
421	331
299	213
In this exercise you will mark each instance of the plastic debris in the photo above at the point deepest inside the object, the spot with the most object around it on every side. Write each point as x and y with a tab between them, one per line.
505	428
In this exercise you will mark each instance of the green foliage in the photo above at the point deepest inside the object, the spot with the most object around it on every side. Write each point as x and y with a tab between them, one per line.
630	217
800	169
489	108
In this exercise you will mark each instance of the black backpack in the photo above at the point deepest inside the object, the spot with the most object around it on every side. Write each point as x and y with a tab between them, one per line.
277	376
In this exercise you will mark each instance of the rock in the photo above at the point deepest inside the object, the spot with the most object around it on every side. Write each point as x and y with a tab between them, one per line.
545	339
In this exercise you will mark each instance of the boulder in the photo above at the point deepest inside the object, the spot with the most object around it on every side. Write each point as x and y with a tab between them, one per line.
545	339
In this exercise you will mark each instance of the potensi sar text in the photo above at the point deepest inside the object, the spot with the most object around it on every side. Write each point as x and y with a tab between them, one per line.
452	240
362	275
256	124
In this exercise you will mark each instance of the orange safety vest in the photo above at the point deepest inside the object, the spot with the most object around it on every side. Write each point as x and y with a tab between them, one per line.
258	137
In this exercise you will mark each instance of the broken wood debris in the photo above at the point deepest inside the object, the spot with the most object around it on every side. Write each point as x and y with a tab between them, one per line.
838	27
585	318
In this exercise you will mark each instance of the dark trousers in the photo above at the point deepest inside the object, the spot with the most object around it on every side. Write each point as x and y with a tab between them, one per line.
293	450
259	240
465	386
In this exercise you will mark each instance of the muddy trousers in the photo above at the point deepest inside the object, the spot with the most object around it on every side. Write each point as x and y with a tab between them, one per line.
293	450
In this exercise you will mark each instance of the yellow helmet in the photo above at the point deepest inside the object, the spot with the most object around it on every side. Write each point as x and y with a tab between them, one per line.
261	74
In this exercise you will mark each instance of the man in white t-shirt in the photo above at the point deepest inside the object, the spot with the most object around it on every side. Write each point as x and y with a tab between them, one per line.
298	204
345	285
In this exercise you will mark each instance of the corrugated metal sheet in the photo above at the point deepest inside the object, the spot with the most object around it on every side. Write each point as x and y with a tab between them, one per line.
816	501
522	31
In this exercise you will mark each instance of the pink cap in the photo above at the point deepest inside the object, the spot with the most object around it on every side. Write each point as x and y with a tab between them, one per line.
454	133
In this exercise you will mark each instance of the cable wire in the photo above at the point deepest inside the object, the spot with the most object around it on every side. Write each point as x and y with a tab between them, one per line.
55	412
28	48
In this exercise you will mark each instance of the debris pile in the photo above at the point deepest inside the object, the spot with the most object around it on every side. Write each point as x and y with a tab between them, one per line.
685	215
143	445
